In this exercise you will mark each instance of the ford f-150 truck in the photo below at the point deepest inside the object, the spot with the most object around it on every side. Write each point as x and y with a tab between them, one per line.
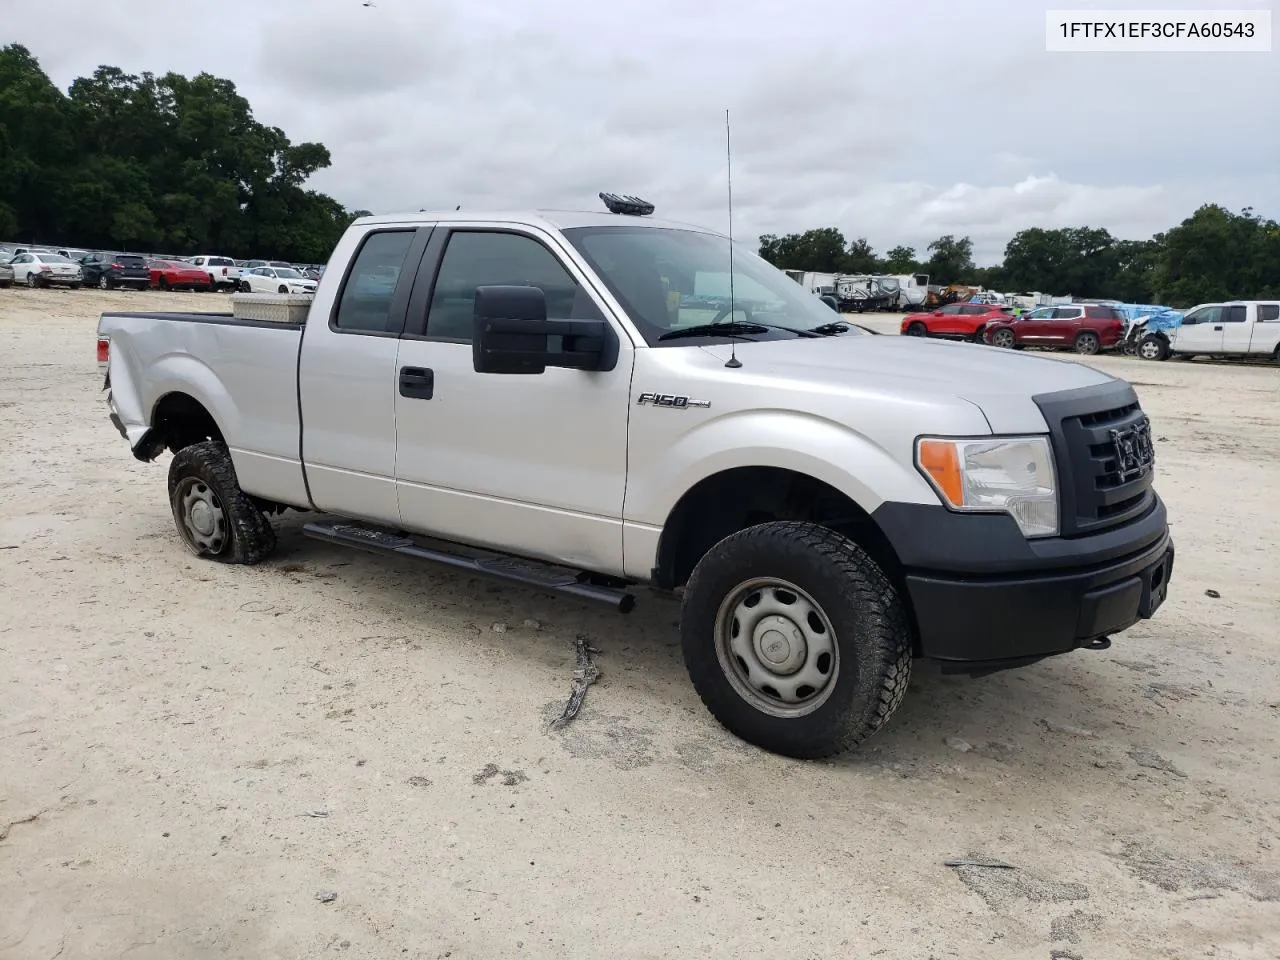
592	403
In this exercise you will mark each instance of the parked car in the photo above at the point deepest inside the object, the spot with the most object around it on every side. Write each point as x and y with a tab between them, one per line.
1240	328
171	275
74	254
955	321
223	272
275	280
1084	328
46	270
6	274
107	271
827	512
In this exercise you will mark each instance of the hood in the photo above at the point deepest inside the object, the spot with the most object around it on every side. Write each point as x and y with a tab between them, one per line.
1000	382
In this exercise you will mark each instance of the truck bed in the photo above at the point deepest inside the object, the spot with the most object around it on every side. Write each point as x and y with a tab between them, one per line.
244	372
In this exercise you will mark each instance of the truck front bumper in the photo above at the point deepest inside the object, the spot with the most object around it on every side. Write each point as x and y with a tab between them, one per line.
985	598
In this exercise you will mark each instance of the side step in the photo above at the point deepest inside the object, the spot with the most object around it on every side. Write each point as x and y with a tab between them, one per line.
528	572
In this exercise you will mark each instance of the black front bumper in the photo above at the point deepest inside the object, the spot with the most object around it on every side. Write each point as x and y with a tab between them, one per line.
985	597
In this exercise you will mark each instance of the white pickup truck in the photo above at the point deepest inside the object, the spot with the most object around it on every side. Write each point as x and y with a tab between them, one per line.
1238	328
595	402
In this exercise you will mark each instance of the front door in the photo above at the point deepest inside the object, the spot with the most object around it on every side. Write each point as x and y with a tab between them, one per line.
534	464
1200	332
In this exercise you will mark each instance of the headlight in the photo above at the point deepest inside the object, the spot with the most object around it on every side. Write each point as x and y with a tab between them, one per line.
1010	474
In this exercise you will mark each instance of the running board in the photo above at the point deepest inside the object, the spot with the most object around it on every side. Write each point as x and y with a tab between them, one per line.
528	572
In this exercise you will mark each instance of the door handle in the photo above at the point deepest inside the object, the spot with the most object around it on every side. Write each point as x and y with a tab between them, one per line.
417	383
1217	328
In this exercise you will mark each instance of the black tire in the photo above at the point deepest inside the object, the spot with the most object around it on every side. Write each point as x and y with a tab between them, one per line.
1004	338
977	336
1087	343
236	531
245	288
75	286
5	284
1153	347
32	281
870	636
104	283
282	289
917	329
1130	348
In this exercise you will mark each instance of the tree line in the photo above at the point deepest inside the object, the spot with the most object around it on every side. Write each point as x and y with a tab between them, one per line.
1214	254
169	163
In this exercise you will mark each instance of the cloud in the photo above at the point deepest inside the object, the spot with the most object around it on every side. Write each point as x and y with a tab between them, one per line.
898	123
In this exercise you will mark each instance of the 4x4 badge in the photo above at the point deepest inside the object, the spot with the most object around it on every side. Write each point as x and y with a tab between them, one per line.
669	400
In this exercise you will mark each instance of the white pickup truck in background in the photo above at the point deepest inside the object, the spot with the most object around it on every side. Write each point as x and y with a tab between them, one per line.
223	272
591	403
1239	328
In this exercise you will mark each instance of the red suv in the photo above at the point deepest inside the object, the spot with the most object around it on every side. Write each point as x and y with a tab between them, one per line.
955	321
1083	327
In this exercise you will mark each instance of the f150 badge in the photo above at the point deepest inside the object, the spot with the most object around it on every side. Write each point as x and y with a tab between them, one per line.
669	400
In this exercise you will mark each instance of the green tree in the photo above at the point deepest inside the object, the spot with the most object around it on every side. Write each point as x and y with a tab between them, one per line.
861	258
901	260
950	260
822	250
165	163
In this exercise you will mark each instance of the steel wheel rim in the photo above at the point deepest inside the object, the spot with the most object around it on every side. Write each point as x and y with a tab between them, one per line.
777	647
1003	338
202	517
1148	350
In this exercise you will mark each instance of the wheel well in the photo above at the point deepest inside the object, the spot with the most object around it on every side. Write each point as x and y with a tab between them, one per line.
727	502
178	421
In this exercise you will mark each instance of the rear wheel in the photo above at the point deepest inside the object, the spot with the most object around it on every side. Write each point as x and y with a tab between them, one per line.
1087	343
795	639
917	329
245	288
163	284
104	283
282	289
215	518
1003	338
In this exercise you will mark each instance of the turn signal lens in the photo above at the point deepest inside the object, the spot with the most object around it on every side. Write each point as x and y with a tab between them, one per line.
941	461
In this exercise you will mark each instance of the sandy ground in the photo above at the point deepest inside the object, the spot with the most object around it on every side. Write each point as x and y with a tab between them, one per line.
190	753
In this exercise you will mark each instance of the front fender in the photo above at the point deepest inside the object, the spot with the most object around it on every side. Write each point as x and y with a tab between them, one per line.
824	449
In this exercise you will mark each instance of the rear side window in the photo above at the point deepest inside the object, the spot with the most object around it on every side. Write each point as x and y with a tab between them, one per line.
127	260
220	262
1234	314
476	259
1268	312
1066	313
365	305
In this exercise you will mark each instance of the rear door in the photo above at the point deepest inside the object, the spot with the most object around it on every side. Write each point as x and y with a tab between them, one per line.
1237	324
1064	326
347	376
1265	337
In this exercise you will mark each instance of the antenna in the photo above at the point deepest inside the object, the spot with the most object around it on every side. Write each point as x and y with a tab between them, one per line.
733	362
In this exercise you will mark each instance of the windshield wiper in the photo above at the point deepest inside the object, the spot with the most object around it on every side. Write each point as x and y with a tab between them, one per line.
715	330
830	329
737	328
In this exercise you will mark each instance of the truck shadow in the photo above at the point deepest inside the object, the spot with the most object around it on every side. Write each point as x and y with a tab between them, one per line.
1069	711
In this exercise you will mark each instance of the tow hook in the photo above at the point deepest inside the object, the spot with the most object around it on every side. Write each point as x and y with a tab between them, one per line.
1100	643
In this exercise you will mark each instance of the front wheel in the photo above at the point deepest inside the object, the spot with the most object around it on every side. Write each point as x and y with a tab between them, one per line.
917	329
795	639
104	283
1087	344
1152	347
215	518
1003	338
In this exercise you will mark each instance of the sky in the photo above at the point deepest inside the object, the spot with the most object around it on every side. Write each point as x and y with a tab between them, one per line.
898	122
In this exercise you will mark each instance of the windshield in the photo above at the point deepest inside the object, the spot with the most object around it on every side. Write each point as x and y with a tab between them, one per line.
284	273
669	279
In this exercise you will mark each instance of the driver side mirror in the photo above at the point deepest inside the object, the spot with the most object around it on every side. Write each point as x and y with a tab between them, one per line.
511	334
